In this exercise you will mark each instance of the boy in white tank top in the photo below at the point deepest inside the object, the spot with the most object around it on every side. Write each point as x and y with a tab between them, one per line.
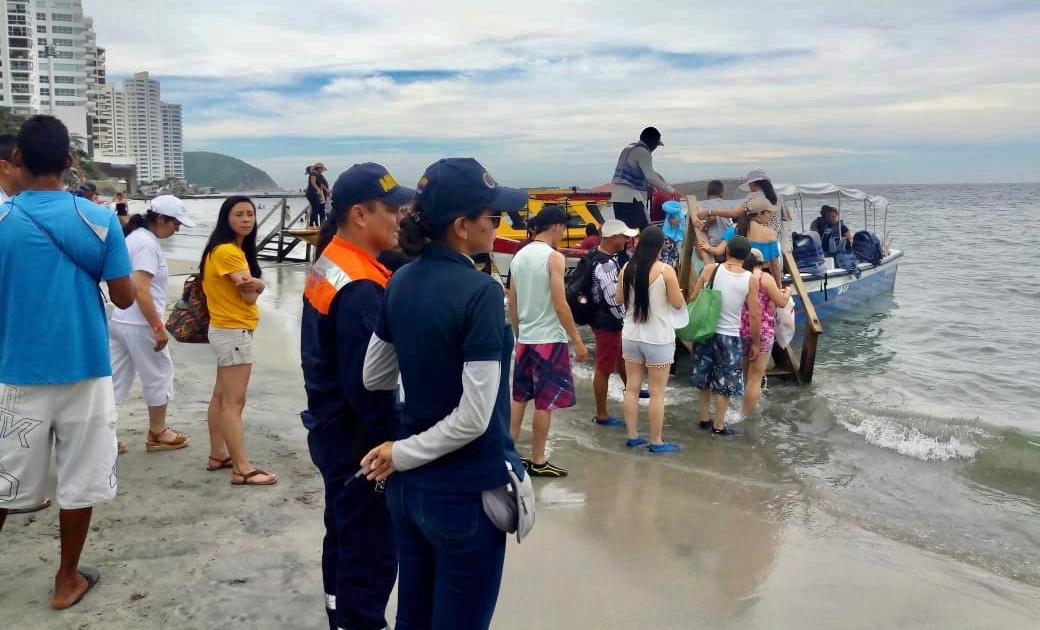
716	365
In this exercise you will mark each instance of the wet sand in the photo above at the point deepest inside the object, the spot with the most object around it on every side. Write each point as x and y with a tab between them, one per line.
626	541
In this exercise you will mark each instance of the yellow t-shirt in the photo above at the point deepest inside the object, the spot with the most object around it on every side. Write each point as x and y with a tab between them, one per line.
227	309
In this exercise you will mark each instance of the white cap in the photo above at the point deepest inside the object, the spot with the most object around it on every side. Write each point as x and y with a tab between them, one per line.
753	176
170	206
613	227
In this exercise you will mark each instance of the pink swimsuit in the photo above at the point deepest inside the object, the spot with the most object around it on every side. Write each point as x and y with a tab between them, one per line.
765	306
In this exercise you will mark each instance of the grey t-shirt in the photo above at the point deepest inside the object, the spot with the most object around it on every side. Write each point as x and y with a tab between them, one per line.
719	224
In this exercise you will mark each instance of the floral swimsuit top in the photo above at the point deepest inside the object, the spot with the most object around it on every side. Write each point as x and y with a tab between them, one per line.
765	307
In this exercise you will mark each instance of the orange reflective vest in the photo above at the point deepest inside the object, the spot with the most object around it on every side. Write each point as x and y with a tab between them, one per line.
340	264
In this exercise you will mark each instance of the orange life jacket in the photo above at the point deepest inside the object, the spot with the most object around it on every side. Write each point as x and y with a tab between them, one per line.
340	264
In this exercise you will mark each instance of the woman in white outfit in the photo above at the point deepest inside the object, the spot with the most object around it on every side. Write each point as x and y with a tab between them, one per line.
137	336
650	291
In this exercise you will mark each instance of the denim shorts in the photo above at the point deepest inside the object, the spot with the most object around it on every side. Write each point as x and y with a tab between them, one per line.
653	355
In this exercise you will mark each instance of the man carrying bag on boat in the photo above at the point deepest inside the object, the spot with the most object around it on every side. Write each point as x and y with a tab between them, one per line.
633	177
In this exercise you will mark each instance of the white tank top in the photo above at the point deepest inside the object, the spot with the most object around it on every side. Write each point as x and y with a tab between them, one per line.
734	289
657	328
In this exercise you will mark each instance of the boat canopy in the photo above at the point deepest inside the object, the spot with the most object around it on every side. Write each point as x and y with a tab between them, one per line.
793	190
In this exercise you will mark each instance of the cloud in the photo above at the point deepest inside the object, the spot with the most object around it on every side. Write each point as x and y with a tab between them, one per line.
553	90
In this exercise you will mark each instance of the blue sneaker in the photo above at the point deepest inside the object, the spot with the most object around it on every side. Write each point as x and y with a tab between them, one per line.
644	393
664	447
609	421
637	441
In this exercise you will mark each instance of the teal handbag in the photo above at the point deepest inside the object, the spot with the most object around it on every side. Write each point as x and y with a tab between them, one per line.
704	313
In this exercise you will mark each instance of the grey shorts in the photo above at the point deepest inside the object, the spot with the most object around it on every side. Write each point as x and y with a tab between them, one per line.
233	346
648	354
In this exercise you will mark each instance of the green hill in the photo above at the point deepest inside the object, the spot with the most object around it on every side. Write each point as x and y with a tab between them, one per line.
225	173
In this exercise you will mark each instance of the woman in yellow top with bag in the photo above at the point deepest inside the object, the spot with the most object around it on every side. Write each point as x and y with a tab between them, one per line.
231	280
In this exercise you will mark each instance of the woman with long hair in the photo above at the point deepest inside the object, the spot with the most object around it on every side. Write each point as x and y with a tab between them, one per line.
136	335
758	184
650	291
770	296
231	280
753	223
443	332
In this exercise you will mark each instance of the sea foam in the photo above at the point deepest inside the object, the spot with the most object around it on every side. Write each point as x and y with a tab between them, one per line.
911	441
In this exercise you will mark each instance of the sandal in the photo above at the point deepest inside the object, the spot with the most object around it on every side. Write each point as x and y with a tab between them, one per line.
152	444
221	463
250	475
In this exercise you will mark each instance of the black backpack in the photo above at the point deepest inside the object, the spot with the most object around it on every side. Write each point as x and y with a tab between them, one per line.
867	247
579	290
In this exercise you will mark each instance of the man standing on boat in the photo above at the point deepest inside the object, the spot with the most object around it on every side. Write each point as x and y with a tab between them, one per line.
342	302
633	177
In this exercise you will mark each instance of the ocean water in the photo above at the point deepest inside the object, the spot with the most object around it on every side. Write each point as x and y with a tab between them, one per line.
923	422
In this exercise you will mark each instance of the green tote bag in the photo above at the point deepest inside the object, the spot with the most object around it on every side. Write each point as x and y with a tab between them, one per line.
704	313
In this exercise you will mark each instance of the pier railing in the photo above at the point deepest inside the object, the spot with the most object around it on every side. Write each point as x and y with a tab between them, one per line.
279	239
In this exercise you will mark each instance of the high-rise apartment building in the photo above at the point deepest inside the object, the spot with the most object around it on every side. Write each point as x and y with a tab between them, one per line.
173	140
50	61
135	125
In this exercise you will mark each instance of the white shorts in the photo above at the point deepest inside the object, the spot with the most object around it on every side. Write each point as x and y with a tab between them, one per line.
233	346
79	419
132	349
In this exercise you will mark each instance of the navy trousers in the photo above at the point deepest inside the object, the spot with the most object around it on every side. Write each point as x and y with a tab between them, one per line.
451	559
359	558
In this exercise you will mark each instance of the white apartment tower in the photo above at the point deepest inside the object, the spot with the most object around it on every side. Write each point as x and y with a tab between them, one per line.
173	140
145	129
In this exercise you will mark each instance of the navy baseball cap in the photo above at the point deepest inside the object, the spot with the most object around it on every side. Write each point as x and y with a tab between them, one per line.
367	182
456	187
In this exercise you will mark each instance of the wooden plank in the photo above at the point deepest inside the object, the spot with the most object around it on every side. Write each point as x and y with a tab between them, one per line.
689	246
813	326
808	356
785	364
811	320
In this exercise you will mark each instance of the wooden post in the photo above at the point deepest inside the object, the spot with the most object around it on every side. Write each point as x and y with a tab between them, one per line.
813	326
689	245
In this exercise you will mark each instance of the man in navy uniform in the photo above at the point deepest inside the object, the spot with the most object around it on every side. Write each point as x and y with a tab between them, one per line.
341	305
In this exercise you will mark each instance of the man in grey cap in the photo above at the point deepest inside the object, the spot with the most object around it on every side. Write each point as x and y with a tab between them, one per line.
633	177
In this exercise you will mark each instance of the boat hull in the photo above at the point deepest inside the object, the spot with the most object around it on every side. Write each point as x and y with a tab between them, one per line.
839	290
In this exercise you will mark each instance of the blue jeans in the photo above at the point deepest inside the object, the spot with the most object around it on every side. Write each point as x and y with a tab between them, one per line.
358	558
450	555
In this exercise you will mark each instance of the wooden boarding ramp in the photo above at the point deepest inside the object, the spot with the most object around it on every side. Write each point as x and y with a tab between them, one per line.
785	364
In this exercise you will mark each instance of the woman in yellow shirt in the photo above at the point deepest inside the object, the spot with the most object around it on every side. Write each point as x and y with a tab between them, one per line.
232	284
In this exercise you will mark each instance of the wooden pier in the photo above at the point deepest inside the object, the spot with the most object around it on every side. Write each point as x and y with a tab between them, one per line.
280	233
786	366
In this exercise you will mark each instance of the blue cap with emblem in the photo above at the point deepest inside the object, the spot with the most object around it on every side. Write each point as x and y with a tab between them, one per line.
457	187
367	182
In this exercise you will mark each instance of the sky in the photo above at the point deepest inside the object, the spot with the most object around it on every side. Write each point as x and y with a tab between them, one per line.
547	92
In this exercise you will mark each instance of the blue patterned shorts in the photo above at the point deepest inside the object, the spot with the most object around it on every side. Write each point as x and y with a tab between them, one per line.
717	363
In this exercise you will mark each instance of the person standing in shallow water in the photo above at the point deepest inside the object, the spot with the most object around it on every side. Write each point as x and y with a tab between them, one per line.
341	304
137	336
542	320
650	290
716	366
231	280
443	332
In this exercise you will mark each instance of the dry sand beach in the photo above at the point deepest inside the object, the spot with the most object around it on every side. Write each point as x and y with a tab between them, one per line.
626	541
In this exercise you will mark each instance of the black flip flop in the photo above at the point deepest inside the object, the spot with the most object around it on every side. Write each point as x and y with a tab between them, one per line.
93	577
